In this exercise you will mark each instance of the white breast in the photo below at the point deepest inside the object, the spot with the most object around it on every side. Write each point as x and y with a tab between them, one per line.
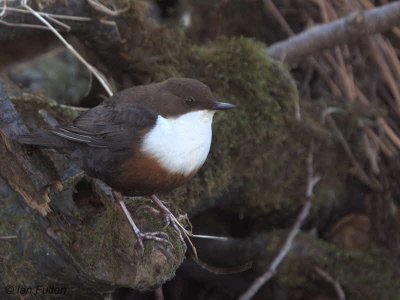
180	145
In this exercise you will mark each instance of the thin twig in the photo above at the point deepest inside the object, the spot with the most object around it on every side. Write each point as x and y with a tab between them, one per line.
336	284
58	22
287	246
74	108
389	152
55	16
393	137
104	9
4	9
361	174
271	7
8	237
371	150
385	72
92	69
216	19
33	26
159	294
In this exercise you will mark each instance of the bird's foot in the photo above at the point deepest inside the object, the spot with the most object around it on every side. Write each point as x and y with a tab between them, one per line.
170	219
157	236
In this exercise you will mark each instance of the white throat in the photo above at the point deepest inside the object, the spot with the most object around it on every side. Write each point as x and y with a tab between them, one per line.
181	144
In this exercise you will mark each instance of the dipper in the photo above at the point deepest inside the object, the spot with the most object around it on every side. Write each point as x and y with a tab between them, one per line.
143	140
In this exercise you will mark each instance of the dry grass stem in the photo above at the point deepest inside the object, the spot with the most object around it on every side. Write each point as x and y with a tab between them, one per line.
92	69
385	72
388	151
393	137
55	16
97	5
8	237
371	150
359	171
271	7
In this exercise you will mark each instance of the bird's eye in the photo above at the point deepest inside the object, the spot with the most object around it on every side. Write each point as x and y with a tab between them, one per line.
190	101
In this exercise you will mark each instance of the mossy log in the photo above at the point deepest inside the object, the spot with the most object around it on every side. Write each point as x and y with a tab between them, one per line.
84	244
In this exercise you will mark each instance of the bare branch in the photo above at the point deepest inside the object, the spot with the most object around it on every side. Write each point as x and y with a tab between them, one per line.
287	246
341	31
336	284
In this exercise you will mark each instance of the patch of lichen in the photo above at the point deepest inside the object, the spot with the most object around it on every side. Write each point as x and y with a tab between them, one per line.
259	149
363	275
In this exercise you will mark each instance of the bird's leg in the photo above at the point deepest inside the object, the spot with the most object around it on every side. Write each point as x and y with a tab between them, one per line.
140	236
170	218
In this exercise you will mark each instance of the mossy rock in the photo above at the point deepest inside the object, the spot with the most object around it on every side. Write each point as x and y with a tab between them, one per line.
257	159
362	275
259	150
90	255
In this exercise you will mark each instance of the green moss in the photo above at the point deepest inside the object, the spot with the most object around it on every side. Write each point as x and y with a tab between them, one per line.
259	149
29	105
363	275
105	247
100	246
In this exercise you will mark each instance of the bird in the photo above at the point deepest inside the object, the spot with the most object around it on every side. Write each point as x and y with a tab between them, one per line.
142	141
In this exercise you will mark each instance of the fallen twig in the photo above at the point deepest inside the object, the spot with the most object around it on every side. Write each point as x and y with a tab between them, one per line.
343	30
336	284
287	246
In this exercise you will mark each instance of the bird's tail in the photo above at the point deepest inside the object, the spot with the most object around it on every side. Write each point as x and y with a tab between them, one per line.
43	138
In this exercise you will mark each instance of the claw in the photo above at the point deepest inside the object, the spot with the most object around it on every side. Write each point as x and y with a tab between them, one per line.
169	218
157	236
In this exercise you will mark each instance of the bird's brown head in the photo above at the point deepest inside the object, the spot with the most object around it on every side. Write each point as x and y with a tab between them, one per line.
178	96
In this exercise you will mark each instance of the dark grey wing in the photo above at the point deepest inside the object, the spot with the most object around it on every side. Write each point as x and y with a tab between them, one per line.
112	125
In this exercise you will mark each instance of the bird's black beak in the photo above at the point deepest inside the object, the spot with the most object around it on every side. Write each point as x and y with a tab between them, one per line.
223	106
